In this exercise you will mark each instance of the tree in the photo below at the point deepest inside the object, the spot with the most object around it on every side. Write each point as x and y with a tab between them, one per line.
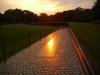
20	16
96	10
68	15
25	16
13	16
30	17
43	17
7	16
0	18
17	15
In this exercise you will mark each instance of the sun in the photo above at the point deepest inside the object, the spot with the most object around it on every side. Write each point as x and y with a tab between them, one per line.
50	7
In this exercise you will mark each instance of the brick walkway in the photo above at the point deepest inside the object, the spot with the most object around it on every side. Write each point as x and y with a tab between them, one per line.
52	55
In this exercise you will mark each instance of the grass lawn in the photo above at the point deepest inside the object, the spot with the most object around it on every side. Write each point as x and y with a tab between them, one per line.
17	37
88	36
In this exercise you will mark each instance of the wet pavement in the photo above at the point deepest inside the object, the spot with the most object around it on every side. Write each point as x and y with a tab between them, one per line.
52	55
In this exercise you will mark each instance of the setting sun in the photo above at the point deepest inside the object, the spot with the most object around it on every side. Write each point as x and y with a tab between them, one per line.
50	7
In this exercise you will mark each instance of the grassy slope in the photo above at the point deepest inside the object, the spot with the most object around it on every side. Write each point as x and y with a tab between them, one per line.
88	36
18	37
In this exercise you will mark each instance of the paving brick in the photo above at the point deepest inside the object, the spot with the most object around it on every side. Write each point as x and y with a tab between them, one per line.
36	60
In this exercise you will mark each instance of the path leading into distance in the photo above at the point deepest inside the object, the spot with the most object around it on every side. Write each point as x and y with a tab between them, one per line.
52	55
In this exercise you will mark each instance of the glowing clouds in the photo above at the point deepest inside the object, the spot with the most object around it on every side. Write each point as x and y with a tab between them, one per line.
45	6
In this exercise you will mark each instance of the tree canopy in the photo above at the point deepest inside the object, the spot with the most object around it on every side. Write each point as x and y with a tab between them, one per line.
96	10
75	15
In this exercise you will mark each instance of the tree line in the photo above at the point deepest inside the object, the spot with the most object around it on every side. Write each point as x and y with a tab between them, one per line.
75	15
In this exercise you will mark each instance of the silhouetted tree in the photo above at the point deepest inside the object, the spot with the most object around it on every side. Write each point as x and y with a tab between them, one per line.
13	16
59	17
25	16
7	16
68	15
43	17
86	15
82	15
96	10
30	17
51	18
17	15
20	16
0	18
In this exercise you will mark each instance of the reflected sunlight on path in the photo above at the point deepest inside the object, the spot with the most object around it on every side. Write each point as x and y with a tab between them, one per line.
50	46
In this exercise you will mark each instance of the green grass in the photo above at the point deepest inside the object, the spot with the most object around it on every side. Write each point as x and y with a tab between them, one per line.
17	37
88	36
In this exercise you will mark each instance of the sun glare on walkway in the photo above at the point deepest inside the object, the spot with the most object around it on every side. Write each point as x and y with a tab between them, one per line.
50	44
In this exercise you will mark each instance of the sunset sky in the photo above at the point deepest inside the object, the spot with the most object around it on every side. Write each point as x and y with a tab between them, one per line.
47	6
